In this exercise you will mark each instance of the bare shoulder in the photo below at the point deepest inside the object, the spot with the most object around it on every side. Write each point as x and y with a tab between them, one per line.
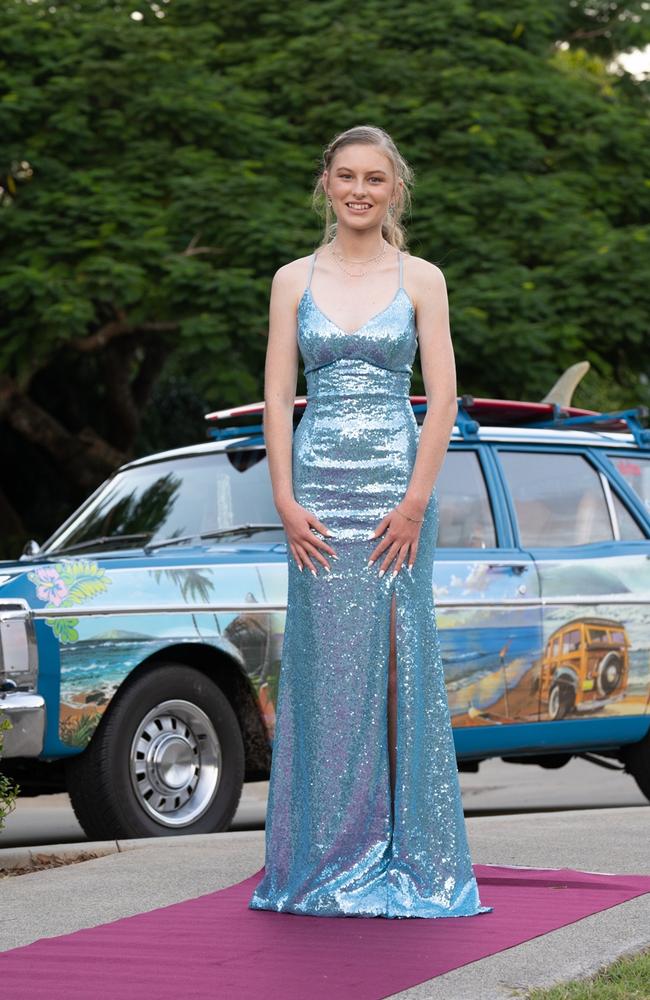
423	277
290	279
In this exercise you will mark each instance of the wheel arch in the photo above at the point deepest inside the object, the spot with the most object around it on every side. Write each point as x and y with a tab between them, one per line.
234	684
567	676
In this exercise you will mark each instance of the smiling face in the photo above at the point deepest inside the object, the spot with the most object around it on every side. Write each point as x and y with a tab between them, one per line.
361	184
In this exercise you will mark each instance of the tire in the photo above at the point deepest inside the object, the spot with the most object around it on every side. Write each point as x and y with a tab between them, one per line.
609	673
636	757
167	759
560	700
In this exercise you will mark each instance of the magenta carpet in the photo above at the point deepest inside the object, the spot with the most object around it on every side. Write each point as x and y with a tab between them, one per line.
214	946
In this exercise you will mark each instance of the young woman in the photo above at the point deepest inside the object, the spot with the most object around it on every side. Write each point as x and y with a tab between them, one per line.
364	814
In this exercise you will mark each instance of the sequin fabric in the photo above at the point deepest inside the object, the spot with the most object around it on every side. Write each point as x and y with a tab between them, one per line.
336	845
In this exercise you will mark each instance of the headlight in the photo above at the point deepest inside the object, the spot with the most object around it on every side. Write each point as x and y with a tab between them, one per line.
18	655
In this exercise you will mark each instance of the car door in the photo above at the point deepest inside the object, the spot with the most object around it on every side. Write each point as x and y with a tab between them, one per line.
487	607
591	550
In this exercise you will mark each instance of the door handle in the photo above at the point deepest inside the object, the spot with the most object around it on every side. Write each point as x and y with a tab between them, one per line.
516	567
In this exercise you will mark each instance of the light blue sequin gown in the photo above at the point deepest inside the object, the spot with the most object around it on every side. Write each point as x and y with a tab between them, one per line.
332	845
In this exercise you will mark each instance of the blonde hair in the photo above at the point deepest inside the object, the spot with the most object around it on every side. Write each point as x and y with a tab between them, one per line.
392	229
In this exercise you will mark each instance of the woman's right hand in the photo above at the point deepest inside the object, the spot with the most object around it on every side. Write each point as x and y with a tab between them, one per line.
298	522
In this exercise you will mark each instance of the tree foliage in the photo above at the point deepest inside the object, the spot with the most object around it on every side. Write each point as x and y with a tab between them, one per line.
156	171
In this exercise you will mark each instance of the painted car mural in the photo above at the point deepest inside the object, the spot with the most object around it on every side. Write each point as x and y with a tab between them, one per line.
142	644
585	665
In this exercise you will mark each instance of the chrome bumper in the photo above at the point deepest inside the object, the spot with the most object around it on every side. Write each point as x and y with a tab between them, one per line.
26	713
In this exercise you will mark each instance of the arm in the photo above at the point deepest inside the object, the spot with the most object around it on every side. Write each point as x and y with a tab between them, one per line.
280	377
400	534
439	374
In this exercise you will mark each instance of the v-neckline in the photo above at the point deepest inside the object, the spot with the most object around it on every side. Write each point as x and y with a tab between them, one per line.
372	319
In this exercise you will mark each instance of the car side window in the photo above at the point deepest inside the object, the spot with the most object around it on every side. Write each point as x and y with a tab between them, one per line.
629	530
636	473
465	514
558	498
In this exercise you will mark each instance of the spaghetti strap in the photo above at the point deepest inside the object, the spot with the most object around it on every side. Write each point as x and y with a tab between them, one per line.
401	269
311	269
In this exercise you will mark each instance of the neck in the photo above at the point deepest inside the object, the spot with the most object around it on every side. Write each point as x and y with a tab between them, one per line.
354	244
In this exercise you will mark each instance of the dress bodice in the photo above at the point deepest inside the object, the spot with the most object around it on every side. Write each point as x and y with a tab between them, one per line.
387	340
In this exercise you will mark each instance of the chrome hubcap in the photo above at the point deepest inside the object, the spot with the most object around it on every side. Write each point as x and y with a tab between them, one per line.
175	763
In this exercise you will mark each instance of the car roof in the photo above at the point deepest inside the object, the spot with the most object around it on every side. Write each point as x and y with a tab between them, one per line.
513	435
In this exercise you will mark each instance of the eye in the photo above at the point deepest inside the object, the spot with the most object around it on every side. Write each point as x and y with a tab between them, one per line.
346	177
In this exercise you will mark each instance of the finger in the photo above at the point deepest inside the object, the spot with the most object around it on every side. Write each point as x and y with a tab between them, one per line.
400	558
315	554
314	540
383	543
379	549
392	552
414	552
320	526
381	527
308	563
294	552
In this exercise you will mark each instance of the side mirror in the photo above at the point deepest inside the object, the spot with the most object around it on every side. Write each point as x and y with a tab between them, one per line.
32	548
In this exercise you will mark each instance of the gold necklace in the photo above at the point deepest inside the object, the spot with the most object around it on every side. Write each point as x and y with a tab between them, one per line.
339	257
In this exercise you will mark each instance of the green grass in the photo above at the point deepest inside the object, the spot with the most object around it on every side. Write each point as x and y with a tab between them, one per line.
625	979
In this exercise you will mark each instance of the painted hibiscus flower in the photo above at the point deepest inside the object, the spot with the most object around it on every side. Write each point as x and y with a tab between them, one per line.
51	587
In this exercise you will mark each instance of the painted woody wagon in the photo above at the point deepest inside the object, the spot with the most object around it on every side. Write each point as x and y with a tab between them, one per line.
585	665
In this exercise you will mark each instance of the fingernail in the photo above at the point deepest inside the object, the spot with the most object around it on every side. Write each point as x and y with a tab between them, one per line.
314	572
394	573
328	569
370	562
333	555
381	572
300	568
328	532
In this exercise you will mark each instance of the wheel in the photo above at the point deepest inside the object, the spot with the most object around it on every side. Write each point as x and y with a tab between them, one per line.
167	759
609	673
560	700
636	757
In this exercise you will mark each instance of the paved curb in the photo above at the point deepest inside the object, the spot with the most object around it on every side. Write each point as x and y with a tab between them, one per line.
22	857
17	857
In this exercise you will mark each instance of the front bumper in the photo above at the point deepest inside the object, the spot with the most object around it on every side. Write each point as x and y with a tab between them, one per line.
26	713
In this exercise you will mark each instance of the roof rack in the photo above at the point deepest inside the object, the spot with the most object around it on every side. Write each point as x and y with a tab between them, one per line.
252	430
472	412
521	413
256	411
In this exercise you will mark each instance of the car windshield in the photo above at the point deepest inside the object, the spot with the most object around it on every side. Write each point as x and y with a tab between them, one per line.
224	494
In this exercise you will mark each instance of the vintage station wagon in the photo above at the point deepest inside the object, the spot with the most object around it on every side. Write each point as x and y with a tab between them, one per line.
585	664
141	644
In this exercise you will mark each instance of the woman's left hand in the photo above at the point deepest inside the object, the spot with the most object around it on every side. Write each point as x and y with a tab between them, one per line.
401	539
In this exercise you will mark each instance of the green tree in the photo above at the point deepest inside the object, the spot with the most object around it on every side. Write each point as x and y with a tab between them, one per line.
155	173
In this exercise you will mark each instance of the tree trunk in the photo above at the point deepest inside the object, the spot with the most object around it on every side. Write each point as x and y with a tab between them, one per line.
84	457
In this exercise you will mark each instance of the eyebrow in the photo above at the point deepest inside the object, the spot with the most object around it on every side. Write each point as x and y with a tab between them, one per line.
367	171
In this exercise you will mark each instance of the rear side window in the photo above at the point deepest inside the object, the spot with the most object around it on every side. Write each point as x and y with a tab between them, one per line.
629	530
465	514
636	473
558	498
